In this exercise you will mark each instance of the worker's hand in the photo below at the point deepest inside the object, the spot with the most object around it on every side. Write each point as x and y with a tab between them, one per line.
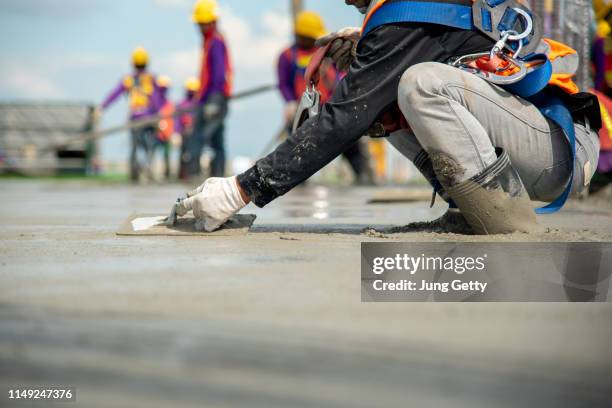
343	46
290	111
362	5
213	203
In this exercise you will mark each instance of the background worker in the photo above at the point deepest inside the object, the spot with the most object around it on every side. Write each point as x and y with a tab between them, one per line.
141	89
185	123
292	64
602	67
165	129
215	89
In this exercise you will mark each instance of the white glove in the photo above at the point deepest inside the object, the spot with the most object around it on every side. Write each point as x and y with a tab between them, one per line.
213	203
343	46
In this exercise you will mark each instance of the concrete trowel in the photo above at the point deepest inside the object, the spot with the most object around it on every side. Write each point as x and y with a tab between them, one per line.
173	217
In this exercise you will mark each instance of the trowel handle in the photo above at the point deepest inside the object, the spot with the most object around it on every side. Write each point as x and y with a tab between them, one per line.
312	71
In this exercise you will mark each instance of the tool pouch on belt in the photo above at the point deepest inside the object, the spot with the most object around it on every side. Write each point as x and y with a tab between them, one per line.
310	103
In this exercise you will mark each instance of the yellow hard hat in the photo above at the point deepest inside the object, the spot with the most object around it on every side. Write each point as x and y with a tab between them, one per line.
603	29
192	84
205	11
164	81
310	24
602	8
140	56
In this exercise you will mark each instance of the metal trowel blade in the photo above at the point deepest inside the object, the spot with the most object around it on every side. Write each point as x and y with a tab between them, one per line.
172	218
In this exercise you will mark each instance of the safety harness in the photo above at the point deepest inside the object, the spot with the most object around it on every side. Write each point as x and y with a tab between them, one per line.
521	62
140	88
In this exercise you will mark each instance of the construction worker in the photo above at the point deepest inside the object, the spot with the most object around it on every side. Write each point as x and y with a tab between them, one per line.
486	150
292	64
185	123
165	129
141	89
215	89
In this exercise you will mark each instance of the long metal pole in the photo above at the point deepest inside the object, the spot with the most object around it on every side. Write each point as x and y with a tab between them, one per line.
296	7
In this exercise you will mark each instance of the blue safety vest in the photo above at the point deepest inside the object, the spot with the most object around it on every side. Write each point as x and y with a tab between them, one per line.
459	14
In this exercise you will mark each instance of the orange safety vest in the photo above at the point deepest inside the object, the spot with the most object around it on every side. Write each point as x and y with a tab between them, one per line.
166	124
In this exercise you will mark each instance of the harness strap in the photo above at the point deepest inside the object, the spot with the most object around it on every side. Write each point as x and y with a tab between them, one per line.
554	109
312	75
457	14
537	77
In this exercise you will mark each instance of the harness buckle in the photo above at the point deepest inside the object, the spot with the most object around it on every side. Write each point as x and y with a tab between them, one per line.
502	65
508	16
493	68
309	106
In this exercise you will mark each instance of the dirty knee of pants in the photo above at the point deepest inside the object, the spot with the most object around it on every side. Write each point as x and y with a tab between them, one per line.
448	170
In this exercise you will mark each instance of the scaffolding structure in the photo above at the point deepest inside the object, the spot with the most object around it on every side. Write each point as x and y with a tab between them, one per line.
29	132
571	22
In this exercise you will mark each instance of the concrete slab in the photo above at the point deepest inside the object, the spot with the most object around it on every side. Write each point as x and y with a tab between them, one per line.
271	318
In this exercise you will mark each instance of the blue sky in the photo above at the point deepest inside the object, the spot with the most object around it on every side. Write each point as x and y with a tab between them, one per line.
78	50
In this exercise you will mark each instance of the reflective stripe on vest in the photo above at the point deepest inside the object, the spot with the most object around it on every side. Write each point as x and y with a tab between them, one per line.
558	68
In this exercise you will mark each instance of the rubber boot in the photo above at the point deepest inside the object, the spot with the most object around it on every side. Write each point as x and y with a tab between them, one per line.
451	222
495	201
423	164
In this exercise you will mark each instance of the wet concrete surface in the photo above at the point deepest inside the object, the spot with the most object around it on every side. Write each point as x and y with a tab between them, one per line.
273	318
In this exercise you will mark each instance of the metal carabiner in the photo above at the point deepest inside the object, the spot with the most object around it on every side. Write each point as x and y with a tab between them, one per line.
309	106
468	63
500	45
528	29
514	36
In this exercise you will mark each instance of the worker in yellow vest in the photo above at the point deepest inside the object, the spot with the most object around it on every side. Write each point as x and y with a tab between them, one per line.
143	95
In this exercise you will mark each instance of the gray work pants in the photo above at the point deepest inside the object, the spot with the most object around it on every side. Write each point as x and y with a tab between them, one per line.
464	118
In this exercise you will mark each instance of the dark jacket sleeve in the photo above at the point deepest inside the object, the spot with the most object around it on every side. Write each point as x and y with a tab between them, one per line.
369	89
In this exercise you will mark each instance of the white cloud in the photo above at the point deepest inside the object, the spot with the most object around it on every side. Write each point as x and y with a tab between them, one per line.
254	49
253	46
171	3
180	65
65	9
254	43
26	83
39	76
